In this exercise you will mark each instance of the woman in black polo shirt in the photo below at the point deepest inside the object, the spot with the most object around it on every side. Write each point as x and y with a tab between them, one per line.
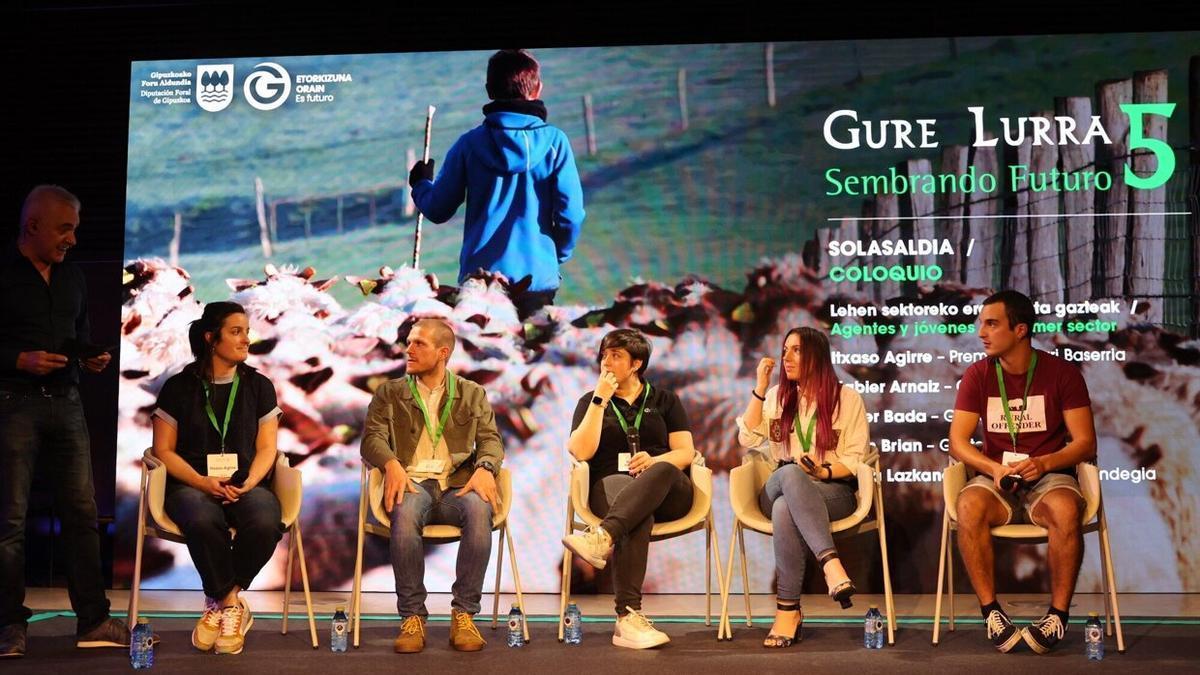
627	421
215	427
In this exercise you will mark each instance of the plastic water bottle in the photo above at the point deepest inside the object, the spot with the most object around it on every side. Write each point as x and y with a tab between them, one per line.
873	629
339	630
141	645
1093	637
573	628
516	627
879	630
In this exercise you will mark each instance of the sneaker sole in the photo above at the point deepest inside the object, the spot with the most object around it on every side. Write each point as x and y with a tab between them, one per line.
598	563
1007	647
630	644
218	650
12	655
1033	644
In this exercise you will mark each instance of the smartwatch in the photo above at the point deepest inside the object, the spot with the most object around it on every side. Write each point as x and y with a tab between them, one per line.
596	400
486	464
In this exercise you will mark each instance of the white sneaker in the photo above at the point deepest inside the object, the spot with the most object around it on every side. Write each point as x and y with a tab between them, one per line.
635	631
594	546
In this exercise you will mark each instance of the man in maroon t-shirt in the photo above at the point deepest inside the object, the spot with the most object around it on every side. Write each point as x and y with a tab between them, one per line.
1037	424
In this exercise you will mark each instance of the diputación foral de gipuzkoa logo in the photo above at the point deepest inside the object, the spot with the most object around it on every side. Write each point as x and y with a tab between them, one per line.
214	86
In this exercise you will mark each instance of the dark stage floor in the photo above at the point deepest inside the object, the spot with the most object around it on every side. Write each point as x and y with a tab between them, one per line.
1152	647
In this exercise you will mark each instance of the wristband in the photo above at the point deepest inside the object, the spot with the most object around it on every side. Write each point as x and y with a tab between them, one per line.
754	393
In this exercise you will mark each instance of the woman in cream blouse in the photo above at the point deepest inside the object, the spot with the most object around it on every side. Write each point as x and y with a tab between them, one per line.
814	431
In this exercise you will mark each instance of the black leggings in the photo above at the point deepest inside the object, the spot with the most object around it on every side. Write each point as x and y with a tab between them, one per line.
629	507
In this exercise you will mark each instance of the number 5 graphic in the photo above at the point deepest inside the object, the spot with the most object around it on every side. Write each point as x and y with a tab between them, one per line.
1166	156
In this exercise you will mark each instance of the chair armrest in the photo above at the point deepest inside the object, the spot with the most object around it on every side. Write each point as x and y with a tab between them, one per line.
954	478
156	489
866	475
580	488
288	488
1088	475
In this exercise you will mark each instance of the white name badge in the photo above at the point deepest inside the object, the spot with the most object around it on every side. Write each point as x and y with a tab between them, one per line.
1011	458
430	466
623	461
222	465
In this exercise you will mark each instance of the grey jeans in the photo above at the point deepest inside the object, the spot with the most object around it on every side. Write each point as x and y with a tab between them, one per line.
432	506
801	510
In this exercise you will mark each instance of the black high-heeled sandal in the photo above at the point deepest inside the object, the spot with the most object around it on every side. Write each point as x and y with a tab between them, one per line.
774	641
843	591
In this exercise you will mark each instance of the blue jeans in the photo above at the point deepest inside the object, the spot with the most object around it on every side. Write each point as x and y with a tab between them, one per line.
221	560
431	506
801	509
51	429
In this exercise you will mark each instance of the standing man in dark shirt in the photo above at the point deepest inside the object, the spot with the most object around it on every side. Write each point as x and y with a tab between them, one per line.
44	341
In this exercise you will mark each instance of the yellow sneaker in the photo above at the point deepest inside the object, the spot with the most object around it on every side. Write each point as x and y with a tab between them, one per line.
235	623
204	635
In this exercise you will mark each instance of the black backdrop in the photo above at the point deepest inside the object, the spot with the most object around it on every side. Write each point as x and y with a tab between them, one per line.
65	106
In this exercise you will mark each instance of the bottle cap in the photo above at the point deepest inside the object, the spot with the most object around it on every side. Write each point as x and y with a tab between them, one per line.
142	619
873	606
516	607
341	608
1095	614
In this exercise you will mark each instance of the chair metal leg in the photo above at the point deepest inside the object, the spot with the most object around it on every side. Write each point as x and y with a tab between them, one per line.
708	572
1106	551
516	571
716	549
941	578
725	630
499	573
135	589
888	604
745	576
356	593
1108	627
287	579
565	590
950	575
312	621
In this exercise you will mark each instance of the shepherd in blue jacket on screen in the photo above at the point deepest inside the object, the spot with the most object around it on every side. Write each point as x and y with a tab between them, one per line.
518	176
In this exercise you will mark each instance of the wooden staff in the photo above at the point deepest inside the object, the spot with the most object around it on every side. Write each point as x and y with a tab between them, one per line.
421	216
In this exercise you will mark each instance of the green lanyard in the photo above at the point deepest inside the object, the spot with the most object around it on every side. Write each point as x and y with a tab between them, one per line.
1012	428
637	422
212	416
435	433
806	439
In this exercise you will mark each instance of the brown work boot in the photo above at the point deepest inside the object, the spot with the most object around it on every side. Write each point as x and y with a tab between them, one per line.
412	636
464	636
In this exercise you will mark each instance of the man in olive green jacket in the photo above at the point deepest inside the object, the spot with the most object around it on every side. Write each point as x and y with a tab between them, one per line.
434	436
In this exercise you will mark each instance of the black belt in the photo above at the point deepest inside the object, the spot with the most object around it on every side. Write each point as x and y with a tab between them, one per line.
32	389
